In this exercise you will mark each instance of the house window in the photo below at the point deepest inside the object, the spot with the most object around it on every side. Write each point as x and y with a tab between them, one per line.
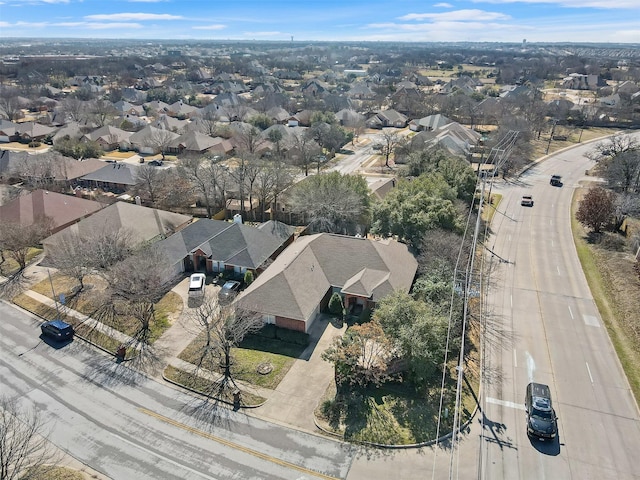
269	319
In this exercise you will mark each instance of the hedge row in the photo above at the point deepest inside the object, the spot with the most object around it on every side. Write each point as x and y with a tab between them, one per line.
283	334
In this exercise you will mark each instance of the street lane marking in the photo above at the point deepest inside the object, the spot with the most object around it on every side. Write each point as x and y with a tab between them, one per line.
236	446
570	312
515	358
591	320
505	403
589	371
558	269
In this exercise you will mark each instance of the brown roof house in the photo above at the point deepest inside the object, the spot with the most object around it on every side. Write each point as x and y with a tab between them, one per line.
144	224
63	210
297	286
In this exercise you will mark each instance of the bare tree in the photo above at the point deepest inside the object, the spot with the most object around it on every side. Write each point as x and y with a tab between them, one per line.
612	146
77	256
390	140
148	182
17	239
224	327
25	452
209	179
10	104
249	139
74	109
160	139
102	112
138	282
306	148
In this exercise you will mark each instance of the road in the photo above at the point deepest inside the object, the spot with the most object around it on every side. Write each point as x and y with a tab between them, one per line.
544	326
127	426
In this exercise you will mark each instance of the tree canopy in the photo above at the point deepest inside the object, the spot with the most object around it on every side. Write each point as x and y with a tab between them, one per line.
332	202
415	207
416	331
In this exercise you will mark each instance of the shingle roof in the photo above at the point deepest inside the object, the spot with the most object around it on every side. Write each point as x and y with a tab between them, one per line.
295	283
143	223
118	173
62	209
232	243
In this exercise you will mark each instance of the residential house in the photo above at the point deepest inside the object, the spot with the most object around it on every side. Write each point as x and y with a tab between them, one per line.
143	224
388	118
8	131
151	140
579	81
196	142
297	286
428	123
32	131
62	210
108	137
216	246
123	107
455	138
113	177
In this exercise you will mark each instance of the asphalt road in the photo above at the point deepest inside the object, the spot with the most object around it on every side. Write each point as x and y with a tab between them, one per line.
127	426
543	326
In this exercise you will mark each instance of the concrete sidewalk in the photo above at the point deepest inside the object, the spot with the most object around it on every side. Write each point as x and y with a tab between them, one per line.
294	399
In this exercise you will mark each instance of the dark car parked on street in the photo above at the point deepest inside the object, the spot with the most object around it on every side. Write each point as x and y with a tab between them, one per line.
57	330
542	422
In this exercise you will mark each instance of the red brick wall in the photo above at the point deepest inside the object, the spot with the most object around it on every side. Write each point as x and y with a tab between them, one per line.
291	324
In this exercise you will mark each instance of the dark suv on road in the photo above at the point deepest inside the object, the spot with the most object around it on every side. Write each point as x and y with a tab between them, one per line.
556	180
57	330
542	422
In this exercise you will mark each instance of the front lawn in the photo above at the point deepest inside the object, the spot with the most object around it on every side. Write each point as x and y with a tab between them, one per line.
393	414
252	352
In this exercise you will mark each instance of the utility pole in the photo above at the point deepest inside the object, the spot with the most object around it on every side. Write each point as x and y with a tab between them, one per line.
553	129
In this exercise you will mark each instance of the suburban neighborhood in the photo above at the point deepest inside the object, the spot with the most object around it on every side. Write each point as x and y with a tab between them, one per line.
301	232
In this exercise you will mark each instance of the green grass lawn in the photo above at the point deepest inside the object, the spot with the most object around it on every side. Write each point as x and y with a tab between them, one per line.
202	385
391	415
253	351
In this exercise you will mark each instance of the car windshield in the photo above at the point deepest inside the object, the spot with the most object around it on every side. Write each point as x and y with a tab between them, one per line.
541	414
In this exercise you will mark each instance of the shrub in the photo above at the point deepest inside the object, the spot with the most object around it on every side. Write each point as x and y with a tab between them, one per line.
268	331
248	277
34	144
335	304
613	242
292	336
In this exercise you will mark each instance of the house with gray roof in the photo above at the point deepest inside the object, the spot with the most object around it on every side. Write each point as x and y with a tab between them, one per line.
113	177
108	137
143	224
215	246
297	286
388	118
428	123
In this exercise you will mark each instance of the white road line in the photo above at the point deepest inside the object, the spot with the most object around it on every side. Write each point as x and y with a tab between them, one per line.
552	243
505	403
589	371
570	312
558	269
511	300
515	358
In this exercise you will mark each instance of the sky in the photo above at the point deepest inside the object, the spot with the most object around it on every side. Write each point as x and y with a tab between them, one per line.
593	21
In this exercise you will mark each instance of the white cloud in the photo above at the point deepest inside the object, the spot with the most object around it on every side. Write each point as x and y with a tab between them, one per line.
113	26
443	5
457	15
210	27
609	4
134	16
